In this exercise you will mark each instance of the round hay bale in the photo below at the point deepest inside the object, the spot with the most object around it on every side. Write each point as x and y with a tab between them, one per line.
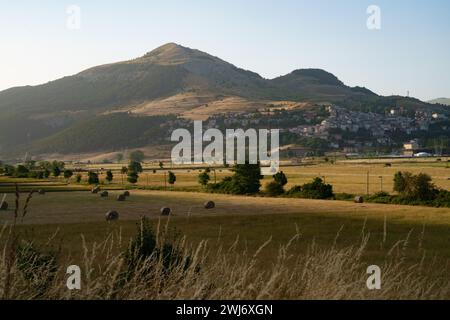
4	205
126	193
209	205
41	192
95	189
121	197
112	216
359	199
104	194
166	211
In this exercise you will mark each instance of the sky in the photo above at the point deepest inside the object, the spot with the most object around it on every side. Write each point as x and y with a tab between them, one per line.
406	48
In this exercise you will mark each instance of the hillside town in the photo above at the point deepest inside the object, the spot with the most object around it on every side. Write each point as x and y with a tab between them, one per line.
338	128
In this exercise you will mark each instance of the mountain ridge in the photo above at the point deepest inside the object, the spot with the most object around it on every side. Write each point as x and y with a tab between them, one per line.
169	80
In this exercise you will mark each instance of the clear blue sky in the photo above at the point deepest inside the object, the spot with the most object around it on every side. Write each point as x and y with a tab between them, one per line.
411	51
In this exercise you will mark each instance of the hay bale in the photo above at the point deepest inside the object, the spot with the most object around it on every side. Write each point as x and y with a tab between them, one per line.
112	216
126	193
166	211
41	192
104	194
121	197
359	199
4	205
95	190
209	205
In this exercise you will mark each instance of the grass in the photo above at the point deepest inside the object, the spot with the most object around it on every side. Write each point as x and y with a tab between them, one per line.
247	247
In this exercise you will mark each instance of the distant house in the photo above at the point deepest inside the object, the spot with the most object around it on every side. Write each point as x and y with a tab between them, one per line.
411	147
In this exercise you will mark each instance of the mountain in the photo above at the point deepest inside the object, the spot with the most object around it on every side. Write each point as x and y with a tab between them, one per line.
444	101
170	80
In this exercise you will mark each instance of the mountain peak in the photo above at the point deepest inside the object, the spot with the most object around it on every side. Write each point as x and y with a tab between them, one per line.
171	53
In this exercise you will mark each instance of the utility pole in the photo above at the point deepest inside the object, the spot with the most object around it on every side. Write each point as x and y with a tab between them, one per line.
368	181
165	180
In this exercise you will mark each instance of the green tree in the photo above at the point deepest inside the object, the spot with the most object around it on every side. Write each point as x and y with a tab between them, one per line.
109	176
245	180
172	178
203	178
46	173
21	171
78	178
274	188
93	177
132	176
68	174
280	178
135	166
137	156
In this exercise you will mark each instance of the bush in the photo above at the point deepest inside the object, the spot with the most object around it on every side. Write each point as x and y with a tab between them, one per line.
145	246
316	189
132	176
109	176
203	178
280	178
93	177
245	180
274	189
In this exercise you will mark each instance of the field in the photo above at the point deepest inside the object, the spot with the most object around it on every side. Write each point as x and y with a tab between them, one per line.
416	236
346	176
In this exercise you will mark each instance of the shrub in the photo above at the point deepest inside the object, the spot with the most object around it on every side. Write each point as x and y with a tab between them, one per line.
172	178
145	246
316	189
203	178
245	180
93	177
132	176
274	188
109	176
280	178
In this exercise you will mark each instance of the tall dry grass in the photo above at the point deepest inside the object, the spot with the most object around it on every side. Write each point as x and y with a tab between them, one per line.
176	269
227	273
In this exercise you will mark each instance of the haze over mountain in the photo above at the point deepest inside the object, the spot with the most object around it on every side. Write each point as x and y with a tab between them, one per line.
170	80
444	101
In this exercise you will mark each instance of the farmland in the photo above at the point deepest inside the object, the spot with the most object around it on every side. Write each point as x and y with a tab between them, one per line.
68	212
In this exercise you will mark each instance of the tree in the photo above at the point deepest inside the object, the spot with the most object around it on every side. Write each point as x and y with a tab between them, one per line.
21	171
424	188
78	178
172	178
161	165
68	174
46	173
280	178
316	189
132	176
400	181
135	166
109	176
245	180
56	171
137	156
203	178
93	177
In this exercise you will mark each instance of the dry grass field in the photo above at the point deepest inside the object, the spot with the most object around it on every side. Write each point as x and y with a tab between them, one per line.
346	176
261	239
